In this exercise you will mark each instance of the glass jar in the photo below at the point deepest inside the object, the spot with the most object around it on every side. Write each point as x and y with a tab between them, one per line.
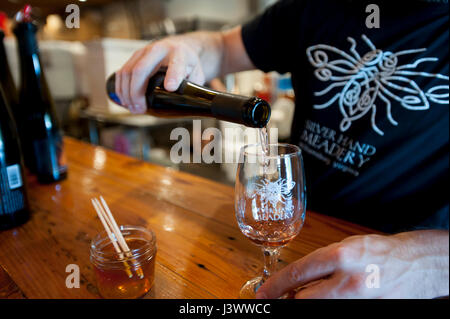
124	275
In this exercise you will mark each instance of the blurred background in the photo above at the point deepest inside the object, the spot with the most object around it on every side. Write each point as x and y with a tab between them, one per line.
77	61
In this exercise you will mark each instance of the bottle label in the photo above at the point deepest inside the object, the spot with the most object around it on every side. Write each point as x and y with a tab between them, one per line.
12	199
14	177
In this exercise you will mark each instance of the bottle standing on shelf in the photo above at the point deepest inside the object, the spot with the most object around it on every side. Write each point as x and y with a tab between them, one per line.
195	100
14	209
38	125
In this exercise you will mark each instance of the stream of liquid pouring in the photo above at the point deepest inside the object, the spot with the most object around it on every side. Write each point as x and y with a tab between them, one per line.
264	137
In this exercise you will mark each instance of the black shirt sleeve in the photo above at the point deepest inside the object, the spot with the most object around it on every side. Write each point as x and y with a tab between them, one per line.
269	38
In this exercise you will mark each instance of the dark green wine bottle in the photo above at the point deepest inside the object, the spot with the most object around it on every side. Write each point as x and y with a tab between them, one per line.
192	100
38	126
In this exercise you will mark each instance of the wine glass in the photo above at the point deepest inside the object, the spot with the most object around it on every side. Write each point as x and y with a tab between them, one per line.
270	202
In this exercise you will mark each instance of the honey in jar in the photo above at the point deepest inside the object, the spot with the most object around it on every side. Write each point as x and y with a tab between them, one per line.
126	275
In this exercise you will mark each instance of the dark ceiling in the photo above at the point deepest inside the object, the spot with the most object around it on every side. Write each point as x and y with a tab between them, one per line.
45	7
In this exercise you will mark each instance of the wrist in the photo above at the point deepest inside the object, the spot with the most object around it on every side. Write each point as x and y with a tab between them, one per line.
209	48
428	252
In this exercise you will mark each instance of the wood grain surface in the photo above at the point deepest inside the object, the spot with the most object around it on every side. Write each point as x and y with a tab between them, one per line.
201	251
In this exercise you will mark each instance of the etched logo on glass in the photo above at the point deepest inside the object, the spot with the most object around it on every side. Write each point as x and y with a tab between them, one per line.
274	199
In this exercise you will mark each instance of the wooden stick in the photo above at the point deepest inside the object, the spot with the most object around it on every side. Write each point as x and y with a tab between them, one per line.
119	236
106	226
109	223
115	227
100	213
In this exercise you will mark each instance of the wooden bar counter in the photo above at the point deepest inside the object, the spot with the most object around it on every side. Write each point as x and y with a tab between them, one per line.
201	251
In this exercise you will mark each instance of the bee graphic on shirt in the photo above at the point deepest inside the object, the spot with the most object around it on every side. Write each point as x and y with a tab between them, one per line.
372	80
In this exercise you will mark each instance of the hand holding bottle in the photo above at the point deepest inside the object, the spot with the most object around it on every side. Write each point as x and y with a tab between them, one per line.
197	57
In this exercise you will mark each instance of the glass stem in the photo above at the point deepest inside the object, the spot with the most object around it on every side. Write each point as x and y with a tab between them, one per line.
271	255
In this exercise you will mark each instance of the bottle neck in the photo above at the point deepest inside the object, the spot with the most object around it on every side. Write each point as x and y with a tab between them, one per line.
26	37
188	100
30	64
195	100
34	94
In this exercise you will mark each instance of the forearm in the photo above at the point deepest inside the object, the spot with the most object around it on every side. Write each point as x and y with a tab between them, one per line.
428	251
235	58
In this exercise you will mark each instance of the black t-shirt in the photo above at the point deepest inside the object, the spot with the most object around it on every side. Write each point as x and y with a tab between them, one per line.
372	111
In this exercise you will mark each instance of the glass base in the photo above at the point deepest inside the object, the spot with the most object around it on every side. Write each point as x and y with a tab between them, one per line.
248	290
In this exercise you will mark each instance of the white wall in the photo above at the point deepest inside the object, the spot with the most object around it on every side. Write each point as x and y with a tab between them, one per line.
221	10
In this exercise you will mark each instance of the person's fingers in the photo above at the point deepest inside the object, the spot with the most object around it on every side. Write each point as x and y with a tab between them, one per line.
132	78
197	75
316	265
176	70
118	87
134	107
182	62
323	289
123	77
125	97
145	68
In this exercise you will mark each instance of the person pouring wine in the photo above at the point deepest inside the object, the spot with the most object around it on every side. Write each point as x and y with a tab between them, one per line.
371	119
